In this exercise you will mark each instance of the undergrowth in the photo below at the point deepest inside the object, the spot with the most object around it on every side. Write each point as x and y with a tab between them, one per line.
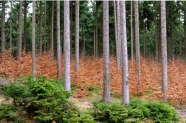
46	101
137	111
43	100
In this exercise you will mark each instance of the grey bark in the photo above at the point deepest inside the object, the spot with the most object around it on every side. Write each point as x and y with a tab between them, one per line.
137	45
77	35
164	50
106	91
125	81
40	29
11	26
52	32
116	33
67	44
3	27
131	31
58	42
45	37
33	41
25	27
20	30
118	43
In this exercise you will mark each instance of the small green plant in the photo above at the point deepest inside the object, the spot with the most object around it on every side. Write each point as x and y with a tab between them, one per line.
94	89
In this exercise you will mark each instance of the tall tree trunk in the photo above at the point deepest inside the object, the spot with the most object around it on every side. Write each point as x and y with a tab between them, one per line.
96	26
58	42
171	32
3	27
25	27
20	30
118	43
33	41
67	44
77	35
40	29
164	50
115	25
185	26
11	26
125	81
131	31
52	32
45	38
106	91
137	46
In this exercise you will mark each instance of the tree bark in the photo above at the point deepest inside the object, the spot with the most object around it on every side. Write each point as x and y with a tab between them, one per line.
118	43
25	27
164	50
58	42
20	30
132	35
137	46
3	27
11	26
77	35
125	81
67	44
33	42
40	29
106	91
96	42
52	32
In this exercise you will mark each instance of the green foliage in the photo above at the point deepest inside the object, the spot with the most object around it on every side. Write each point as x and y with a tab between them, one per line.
44	100
9	113
92	89
112	113
137	111
161	112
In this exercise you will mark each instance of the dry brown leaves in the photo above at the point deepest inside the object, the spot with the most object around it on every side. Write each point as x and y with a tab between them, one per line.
91	74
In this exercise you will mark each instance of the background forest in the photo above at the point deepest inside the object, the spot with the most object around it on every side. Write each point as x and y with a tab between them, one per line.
16	37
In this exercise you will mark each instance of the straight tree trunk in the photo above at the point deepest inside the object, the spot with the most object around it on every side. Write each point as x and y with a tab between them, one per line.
132	35
40	29
115	25
164	50
52	32
45	38
106	91
96	29
58	42
67	44
185	26
137	46
20	30
3	27
11	27
118	43
25	27
125	81
77	35
33	41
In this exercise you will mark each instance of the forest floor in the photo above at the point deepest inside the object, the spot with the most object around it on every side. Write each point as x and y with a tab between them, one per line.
91	76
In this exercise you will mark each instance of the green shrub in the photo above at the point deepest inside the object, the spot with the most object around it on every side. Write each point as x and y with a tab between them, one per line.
43	100
9	112
161	112
112	113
